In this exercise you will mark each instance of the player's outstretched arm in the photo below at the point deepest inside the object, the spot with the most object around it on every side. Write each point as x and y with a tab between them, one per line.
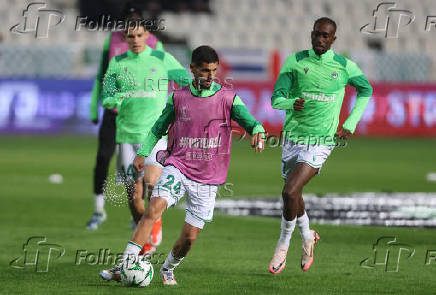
158	130
176	72
97	88
343	134
364	92
242	116
112	102
280	98
111	95
93	106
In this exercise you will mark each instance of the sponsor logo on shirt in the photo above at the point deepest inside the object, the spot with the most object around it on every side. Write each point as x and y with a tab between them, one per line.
320	97
200	142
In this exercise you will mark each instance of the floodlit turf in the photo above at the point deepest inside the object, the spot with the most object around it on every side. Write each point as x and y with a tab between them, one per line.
232	254
364	165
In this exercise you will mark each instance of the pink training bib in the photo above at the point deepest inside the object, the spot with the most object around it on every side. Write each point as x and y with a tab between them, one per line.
201	135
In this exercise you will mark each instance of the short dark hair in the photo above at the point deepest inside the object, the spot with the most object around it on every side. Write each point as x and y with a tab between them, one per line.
203	54
325	20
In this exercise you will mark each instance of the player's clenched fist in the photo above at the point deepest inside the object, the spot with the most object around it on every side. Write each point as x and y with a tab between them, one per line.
343	133
299	104
138	163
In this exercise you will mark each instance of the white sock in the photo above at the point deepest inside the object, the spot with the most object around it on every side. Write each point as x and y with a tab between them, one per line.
131	249
172	261
99	203
303	225
287	228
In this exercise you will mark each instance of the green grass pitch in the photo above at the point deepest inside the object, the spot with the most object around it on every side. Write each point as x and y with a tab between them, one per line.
232	253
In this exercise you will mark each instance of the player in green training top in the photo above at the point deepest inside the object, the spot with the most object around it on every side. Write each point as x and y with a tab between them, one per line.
310	88
115	44
136	83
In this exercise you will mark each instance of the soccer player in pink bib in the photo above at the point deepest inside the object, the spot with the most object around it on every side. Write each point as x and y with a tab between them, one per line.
197	159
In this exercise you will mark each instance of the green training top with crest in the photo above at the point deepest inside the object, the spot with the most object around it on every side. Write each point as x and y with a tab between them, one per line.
320	80
137	85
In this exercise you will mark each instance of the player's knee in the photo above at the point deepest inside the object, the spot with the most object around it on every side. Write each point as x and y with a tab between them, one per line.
139	209
155	209
151	176
290	194
152	212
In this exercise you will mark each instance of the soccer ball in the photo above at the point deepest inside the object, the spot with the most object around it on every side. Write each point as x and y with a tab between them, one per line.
136	271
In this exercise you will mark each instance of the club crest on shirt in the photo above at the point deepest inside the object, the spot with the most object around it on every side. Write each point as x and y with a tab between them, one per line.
306	70
334	75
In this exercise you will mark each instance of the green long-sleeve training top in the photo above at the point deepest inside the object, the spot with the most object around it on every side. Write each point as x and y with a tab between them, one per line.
320	81
137	85
97	87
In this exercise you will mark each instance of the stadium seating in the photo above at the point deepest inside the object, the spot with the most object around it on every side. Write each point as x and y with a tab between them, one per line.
284	25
